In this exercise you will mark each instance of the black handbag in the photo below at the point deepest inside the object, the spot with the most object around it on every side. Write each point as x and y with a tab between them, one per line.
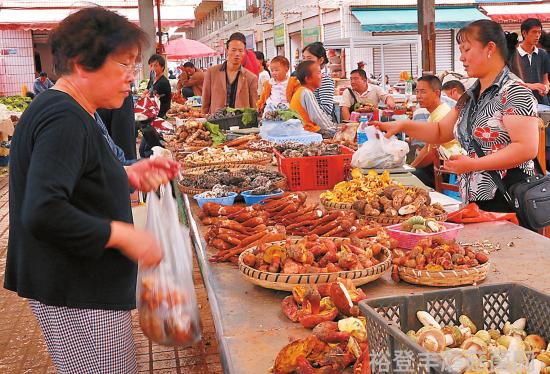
529	198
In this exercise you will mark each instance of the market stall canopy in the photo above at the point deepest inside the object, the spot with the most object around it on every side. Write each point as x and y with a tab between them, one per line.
518	12
48	18
181	48
405	19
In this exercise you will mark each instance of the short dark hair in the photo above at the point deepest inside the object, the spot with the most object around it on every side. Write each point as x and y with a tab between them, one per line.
361	72
89	36
432	80
318	50
303	70
157	58
189	64
281	60
43	74
484	31
545	40
529	23
236	36
449	85
260	56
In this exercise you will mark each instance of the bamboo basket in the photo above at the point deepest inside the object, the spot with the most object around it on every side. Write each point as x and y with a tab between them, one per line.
259	161
445	278
281	184
201	170
286	282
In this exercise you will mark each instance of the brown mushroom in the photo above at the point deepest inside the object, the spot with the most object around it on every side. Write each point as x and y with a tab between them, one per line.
432	339
536	342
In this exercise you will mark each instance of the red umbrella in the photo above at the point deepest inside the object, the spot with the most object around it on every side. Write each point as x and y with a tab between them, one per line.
186	48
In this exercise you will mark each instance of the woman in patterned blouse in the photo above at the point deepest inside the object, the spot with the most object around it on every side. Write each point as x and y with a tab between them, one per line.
498	112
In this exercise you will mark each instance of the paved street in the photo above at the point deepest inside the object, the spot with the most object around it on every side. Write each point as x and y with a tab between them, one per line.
22	347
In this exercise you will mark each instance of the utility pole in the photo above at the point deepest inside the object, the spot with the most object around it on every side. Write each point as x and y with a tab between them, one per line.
426	28
147	23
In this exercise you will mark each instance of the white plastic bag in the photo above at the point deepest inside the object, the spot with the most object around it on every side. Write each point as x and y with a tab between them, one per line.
292	127
378	152
166	299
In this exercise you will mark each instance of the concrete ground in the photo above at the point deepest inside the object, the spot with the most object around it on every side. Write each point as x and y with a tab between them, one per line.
22	347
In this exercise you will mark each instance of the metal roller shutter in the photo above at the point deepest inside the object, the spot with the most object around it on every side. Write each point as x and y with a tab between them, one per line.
396	59
443	51
270	48
332	31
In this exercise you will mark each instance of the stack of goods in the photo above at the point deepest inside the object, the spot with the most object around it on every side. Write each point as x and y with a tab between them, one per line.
289	211
314	254
400	203
295	150
217	190
218	156
251	142
361	187
14	103
339	336
190	136
183	111
228	117
344	142
465	348
261	180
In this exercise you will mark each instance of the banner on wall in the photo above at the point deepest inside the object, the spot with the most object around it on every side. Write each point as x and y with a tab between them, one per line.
234	5
311	35
266	10
279	35
250	41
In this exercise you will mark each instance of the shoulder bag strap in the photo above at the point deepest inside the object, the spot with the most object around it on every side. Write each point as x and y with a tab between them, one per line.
355	101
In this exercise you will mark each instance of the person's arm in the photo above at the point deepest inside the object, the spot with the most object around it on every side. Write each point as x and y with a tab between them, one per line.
346	113
36	87
316	114
521	122
390	102
326	95
424	157
206	99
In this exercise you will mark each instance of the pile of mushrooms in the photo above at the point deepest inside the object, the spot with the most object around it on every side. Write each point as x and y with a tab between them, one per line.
465	349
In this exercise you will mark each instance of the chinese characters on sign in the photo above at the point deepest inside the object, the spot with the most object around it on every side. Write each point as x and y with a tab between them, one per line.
279	34
311	35
234	5
266	10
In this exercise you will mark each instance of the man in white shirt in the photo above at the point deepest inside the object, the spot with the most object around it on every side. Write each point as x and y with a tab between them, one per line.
363	92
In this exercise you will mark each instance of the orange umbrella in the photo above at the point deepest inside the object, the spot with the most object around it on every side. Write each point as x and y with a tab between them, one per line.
181	48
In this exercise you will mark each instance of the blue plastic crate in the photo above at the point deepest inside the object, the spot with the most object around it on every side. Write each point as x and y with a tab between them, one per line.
227	200
250	199
307	138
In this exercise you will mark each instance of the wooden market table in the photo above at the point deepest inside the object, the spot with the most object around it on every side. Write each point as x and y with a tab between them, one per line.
251	327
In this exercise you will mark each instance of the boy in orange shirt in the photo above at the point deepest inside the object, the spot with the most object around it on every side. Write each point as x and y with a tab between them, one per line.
274	90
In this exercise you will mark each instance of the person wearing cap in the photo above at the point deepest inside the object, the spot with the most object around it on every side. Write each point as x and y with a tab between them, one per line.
42	83
230	84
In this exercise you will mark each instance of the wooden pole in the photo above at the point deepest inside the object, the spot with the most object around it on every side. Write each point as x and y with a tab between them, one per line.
426	28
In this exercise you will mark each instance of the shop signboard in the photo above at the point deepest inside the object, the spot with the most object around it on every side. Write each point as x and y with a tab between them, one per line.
8	52
279	34
234	5
266	10
311	35
250	41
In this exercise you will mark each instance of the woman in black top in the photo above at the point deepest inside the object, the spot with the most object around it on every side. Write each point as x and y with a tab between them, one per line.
72	246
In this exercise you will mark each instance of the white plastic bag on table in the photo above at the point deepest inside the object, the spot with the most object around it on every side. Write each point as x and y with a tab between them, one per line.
292	127
378	152
166	299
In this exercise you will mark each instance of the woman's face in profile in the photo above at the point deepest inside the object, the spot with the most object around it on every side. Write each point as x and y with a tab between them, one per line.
114	77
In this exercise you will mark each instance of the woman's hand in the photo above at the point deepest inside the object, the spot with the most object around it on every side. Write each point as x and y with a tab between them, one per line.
460	164
138	245
390	128
149	174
